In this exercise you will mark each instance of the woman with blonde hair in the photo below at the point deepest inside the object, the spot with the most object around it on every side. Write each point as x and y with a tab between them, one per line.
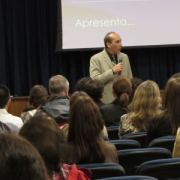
168	122
144	106
84	142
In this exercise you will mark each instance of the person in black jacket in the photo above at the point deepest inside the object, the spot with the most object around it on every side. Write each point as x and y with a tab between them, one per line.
113	111
58	105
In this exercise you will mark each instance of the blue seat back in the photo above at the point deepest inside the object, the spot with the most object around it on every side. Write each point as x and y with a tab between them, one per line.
165	141
125	144
161	169
104	170
113	132
129	178
130	159
138	136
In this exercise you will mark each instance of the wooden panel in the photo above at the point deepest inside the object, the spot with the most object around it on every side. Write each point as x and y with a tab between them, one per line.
17	105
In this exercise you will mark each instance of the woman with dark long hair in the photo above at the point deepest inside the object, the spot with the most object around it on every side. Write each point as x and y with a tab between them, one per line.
44	134
85	124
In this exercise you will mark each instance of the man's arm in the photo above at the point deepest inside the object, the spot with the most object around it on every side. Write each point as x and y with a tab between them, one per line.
96	71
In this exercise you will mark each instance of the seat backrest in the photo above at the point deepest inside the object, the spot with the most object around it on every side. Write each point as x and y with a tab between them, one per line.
165	141
113	132
104	170
125	144
138	136
161	169
130	159
135	177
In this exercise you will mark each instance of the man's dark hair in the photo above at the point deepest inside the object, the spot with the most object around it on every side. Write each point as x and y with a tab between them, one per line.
135	83
108	38
81	84
94	89
4	95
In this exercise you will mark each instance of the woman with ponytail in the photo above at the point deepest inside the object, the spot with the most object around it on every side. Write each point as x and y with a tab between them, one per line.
112	112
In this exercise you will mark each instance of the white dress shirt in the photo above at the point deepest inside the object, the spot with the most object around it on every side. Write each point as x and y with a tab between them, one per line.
5	117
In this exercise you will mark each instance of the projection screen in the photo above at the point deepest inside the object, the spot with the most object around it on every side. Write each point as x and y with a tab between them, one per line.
138	22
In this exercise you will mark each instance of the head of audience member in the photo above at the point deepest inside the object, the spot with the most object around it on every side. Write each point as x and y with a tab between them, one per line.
121	91
19	159
113	42
37	96
58	85
4	97
81	84
171	102
45	135
135	82
145	104
95	88
85	125
176	75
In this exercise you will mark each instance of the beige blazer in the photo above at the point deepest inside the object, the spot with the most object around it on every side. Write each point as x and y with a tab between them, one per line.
101	69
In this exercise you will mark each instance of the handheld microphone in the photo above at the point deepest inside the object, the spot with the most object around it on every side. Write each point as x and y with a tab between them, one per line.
120	60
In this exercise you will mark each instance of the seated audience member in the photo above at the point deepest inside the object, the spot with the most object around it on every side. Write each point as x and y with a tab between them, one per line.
19	159
58	105
96	93
8	127
95	88
176	150
103	133
45	135
135	82
176	75
37	96
81	83
84	142
113	111
5	101
144	106
167	122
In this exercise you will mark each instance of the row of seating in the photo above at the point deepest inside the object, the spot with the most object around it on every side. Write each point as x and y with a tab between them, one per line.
161	169
139	136
138	160
166	141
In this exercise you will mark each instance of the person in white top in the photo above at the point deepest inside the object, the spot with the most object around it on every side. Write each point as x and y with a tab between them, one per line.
5	101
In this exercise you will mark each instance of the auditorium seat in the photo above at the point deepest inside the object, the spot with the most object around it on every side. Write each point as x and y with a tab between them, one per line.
125	144
135	177
104	170
113	132
165	141
130	159
138	136
162	169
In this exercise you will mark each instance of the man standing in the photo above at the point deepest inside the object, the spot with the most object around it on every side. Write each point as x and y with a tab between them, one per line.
110	63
